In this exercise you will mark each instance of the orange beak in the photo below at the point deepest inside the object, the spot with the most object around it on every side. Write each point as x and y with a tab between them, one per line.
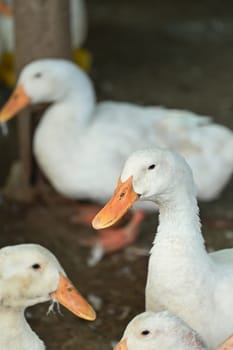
5	10
123	198
17	101
122	345
67	295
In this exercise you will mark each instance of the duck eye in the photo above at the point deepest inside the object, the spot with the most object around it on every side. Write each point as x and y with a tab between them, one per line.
38	75
152	166
145	332
36	266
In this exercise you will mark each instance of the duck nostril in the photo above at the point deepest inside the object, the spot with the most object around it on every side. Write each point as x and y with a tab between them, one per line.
122	195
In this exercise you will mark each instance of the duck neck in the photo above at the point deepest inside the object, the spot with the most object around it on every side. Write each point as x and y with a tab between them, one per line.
16	332
72	111
62	130
80	105
178	257
179	223
10	317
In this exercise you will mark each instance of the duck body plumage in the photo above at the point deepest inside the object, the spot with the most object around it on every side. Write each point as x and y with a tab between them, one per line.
182	277
116	126
80	142
16	333
81	145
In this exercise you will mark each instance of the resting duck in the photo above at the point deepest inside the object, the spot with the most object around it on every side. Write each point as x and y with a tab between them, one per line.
30	274
78	26
159	331
163	331
81	145
182	277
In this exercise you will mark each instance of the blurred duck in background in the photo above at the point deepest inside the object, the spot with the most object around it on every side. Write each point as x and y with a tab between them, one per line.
29	275
7	74
78	24
81	145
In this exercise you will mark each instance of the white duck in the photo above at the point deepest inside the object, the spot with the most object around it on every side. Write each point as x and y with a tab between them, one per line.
6	27
81	145
30	274
182	277
163	331
159	331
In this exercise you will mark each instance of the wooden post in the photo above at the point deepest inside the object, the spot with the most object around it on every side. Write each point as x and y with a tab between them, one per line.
42	30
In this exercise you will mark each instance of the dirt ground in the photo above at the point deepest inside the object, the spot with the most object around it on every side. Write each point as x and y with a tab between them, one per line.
172	53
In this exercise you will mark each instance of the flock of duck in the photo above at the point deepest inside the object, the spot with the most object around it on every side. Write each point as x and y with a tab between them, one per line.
81	146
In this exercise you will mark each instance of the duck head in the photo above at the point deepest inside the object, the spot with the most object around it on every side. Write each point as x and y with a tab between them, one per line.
30	274
163	331
47	81
152	174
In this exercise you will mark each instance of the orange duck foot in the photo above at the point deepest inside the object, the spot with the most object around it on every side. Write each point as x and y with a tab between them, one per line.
111	240
85	213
